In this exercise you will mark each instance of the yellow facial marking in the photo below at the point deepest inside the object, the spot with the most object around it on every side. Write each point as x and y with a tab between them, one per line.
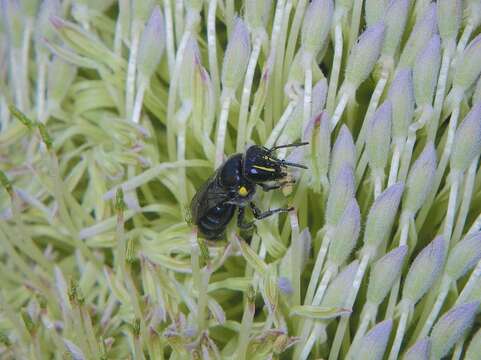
243	191
264	168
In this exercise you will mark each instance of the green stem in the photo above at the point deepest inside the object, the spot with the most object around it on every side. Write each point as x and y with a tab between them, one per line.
355	21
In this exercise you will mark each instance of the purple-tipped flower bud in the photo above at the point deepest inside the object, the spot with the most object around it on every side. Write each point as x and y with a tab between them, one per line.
257	13
364	55
420	180
464	256
316	26
378	140
189	68
474	348
477	92
319	93
236	56
323	144
343	152
449	20
401	95
285	285
468	67
336	292
374	11
341	192
420	35
373	345
346	234
381	217
424	270
395	20
419	351
151	44
44	28
384	273
425	72
467	141
451	327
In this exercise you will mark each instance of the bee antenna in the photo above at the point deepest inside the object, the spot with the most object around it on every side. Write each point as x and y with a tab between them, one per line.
286	163
288	145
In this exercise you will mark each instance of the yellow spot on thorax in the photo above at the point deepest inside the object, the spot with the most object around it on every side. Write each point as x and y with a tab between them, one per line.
243	191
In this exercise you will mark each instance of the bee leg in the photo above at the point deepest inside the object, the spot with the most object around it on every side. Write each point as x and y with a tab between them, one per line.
267	187
240	220
258	214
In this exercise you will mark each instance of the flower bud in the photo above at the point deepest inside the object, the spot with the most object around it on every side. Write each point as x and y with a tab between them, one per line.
151	44
316	25
346	234
189	67
477	92
141	9
384	273
323	145
474	348
60	76
343	152
12	14
44	28
401	95
364	55
341	192
257	13
236	56
424	270
381	216
420	179
468	67
373	345
378	138
336	293
395	20
419	351
449	20
425	72
451	327
420	35
467	141
319	93
464	256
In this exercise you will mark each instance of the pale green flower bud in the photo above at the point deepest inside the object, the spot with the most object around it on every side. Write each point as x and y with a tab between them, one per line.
343	152
449	20
44	28
30	7
319	94
142	9
373	345
451	327
257	13
472	12
60	76
323	144
467	141
336	293
420	35
12	14
341	192
401	95
395	20
346	234
236	56
468	67
378	140
424	270
195	5
189	67
477	92
374	11
464	256
381	217
419	351
384	273
364	55
425	72
316	26
151	44
420	180
474	348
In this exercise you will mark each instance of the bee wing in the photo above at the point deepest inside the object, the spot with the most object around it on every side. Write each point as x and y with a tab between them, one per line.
208	196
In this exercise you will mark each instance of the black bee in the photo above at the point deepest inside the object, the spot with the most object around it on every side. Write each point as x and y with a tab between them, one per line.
233	186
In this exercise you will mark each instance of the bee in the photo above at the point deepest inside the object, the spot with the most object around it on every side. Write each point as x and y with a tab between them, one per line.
233	185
